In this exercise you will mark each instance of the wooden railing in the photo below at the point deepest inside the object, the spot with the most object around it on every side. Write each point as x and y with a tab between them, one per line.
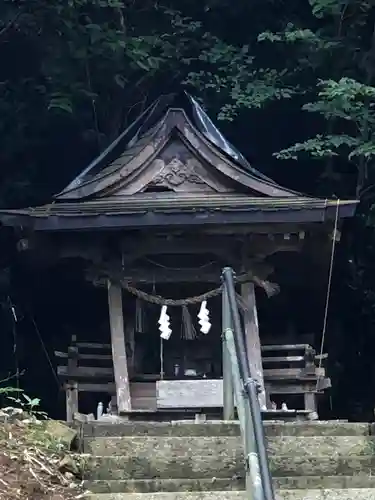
292	373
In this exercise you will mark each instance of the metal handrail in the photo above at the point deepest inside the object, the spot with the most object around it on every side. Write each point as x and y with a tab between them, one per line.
259	481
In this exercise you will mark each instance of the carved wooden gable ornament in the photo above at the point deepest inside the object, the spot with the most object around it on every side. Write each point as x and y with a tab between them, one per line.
172	155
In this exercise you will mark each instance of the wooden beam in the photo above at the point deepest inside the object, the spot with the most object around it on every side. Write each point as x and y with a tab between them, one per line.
281	374
71	390
93	345
300	387
284	347
291	359
150	276
147	245
100	372
252	339
86	372
120	363
265	229
92	356
260	246
108	388
158	275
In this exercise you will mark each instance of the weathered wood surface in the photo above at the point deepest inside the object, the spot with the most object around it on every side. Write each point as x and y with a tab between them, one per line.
143	275
93	345
291	380
120	363
143	395
209	393
287	339
302	387
310	402
178	169
285	347
292	374
274	388
108	388
80	355
268	344
85	372
108	357
252	338
206	393
81	372
291	359
130	346
282	359
71	393
227	248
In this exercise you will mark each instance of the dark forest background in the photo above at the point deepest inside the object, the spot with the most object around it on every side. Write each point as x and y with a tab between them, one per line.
292	84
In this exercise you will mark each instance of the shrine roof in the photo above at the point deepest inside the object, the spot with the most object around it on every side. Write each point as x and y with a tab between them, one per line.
167	115
172	166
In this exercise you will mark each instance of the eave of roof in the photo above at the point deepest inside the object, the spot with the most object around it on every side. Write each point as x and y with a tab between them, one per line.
129	213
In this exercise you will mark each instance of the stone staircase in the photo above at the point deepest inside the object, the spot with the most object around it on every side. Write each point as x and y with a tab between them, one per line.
188	461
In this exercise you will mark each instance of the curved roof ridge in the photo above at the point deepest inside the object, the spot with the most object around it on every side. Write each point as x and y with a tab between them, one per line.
146	126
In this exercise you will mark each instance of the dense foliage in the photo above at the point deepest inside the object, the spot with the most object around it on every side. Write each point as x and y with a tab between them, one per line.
76	72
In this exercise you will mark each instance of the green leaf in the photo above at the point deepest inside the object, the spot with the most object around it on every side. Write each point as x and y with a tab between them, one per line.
62	103
28	399
142	64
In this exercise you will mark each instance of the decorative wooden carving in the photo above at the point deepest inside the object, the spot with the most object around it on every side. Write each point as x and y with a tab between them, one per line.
175	168
176	173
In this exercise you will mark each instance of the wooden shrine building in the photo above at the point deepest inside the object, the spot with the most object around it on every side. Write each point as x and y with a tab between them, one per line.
157	216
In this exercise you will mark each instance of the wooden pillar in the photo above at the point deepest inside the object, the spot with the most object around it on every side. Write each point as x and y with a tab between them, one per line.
310	402
310	369
120	363
130	348
71	388
253	346
71	391
237	383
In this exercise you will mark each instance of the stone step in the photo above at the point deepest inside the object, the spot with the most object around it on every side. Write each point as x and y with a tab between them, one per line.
226	484
313	494
190	446
223	465
165	485
220	428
